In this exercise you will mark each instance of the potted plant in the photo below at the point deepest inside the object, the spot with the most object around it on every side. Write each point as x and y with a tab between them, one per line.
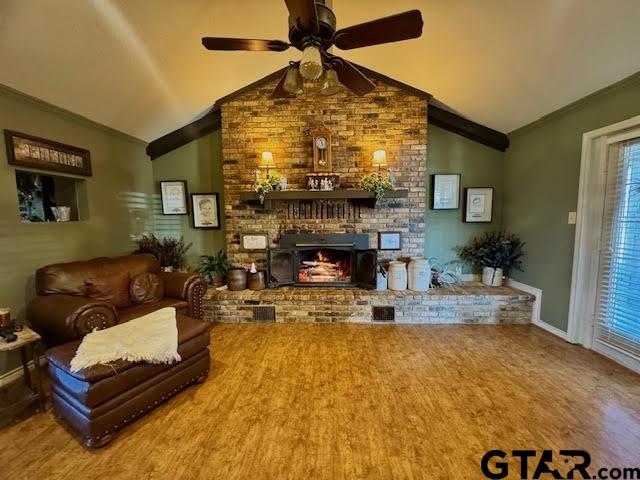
497	253
170	252
272	183
377	183
214	268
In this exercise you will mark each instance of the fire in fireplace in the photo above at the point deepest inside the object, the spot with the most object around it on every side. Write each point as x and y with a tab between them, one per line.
324	265
339	260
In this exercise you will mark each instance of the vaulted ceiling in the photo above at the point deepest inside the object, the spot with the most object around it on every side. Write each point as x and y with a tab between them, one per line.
138	65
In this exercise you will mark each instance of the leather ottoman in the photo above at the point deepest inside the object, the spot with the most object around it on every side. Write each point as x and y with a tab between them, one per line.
98	401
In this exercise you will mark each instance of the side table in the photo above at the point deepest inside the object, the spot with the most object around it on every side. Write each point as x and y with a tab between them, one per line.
28	342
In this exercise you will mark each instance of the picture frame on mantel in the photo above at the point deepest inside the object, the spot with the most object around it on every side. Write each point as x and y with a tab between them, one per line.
389	241
445	191
478	205
251	242
24	150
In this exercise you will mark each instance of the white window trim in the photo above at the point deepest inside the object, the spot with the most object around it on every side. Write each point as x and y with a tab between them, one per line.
588	228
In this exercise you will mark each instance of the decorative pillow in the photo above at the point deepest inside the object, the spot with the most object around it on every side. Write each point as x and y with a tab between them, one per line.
112	289
147	288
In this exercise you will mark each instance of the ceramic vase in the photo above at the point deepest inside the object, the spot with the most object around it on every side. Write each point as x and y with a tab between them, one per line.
419	274
397	276
492	276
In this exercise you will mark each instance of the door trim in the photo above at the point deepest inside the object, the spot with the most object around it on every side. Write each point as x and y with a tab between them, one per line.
586	256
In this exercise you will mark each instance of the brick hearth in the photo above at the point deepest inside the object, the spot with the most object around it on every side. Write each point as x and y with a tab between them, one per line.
471	303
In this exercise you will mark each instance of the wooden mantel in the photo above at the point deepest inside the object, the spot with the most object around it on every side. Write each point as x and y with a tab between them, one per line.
364	196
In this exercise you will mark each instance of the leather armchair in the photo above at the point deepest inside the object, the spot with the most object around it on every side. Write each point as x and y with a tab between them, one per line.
62	312
62	318
186	286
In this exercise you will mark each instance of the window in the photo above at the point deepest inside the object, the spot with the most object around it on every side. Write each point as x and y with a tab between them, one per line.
47	198
618	305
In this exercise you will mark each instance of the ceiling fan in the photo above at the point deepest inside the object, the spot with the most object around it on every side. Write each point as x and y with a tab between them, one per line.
312	30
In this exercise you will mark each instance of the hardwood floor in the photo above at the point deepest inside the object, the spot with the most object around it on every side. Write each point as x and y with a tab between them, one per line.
322	401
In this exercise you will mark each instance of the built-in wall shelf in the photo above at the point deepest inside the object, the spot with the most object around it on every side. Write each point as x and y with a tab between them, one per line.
357	195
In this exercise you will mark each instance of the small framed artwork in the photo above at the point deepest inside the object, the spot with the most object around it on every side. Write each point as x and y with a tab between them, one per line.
206	210
34	152
173	194
478	205
254	241
445	191
389	241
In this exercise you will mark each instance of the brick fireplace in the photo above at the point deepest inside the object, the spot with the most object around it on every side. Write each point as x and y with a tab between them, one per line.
390	118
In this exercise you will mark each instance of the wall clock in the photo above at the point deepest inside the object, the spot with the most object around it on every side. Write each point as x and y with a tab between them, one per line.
321	150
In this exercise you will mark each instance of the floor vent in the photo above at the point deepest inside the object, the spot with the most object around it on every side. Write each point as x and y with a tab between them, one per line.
264	314
384	314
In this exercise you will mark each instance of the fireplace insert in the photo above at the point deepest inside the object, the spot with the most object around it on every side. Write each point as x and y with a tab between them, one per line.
337	260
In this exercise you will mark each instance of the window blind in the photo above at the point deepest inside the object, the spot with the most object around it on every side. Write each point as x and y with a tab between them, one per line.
617	315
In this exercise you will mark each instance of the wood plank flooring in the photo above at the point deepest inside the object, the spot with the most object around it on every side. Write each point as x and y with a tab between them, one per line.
323	401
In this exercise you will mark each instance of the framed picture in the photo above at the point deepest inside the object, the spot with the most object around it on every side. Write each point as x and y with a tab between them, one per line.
445	191
206	210
389	241
173	194
254	241
478	205
34	152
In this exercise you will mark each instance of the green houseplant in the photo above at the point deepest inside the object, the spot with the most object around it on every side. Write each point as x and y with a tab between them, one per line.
377	183
214	268
497	253
272	183
170	252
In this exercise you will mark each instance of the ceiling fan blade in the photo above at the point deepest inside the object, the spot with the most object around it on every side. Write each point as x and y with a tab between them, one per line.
402	26
249	44
351	77
304	13
279	91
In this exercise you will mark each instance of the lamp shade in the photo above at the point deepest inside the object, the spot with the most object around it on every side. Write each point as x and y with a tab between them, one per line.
311	63
267	160
379	158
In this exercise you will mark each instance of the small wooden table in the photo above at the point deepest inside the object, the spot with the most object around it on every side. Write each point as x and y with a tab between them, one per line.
28	342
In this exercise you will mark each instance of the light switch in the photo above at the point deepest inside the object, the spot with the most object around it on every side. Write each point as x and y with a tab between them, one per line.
573	218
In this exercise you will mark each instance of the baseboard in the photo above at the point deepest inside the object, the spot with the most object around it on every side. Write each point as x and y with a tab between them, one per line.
16	374
535	316
551	329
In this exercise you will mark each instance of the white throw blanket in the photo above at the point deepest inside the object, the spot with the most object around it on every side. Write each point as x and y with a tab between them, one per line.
151	338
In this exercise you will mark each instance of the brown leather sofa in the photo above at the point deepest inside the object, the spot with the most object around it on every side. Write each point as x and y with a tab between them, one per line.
98	401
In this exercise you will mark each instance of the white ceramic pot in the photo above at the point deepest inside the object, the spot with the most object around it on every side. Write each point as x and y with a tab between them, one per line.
419	274
492	276
397	276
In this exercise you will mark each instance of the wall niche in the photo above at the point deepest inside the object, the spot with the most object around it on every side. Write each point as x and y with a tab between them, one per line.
48	198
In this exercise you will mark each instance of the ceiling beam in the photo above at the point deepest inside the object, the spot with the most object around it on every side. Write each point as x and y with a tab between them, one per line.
437	115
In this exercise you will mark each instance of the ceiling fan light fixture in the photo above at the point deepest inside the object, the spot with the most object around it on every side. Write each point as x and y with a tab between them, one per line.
293	83
311	63
329	82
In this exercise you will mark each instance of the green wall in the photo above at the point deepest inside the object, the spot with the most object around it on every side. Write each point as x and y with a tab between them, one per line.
480	166
116	199
200	164
541	180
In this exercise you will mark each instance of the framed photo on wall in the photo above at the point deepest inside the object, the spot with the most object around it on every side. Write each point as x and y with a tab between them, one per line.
29	151
173	194
445	191
206	210
478	205
389	241
254	241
